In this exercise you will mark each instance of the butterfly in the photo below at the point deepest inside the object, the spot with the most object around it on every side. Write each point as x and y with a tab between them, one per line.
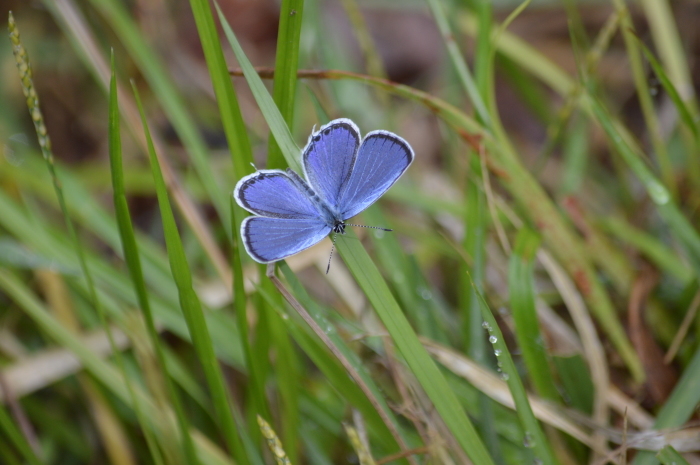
343	175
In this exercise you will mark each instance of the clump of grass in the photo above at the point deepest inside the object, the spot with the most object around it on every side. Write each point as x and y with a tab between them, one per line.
507	322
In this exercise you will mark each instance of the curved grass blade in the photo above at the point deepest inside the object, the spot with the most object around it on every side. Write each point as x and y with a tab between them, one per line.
370	401
32	98
682	107
267	105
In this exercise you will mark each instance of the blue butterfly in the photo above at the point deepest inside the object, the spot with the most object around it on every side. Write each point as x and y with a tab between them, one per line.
344	175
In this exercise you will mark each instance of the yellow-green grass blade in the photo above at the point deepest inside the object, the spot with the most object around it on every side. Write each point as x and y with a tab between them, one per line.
274	118
192	309
423	367
521	288
534	436
285	81
32	99
229	110
457	59
639	75
131	255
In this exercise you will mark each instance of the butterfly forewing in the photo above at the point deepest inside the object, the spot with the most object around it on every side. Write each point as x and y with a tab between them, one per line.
381	160
328	158
271	239
273	193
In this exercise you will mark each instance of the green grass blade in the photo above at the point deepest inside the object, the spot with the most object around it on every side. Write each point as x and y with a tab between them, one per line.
285	81
534	436
15	437
679	225
521	285
457	58
639	75
192	308
131	255
423	367
274	118
650	246
679	407
255	385
669	456
370	401
231	118
682	107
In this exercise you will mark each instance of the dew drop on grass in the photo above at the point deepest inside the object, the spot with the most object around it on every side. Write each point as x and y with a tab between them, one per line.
493	339
426	294
497	352
528	441
505	376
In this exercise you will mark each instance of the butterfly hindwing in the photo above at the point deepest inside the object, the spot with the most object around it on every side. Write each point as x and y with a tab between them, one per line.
271	239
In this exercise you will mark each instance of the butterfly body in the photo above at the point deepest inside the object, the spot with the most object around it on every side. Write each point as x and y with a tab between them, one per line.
343	176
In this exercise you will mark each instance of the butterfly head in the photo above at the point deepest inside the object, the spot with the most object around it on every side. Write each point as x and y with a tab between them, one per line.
339	227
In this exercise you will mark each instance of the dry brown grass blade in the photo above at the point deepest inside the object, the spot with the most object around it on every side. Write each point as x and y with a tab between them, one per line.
592	347
490	384
38	371
110	429
661	377
683	329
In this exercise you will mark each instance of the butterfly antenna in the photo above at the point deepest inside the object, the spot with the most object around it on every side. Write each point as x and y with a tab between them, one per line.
363	226
331	255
